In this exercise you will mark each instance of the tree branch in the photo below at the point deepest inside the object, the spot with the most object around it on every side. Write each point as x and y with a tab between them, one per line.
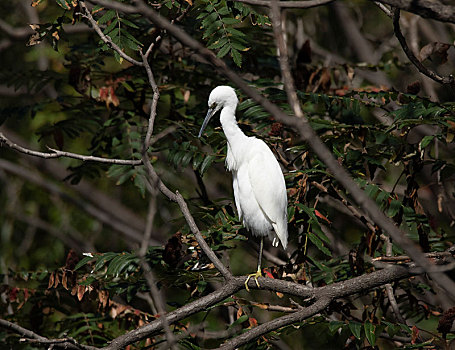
276	323
58	154
320	295
289	4
415	61
65	343
431	9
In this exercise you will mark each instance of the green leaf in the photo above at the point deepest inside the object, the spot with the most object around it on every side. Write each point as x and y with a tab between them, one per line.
355	328
230	21
235	32
223	51
110	14
129	23
370	332
110	27
102	260
334	326
208	160
83	262
201	286
217	44
319	244
426	141
394	208
211	29
236	57
238	321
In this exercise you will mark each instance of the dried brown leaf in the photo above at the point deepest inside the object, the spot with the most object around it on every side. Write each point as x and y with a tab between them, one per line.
435	49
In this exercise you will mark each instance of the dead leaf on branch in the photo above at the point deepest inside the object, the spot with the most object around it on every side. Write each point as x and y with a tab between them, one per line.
435	51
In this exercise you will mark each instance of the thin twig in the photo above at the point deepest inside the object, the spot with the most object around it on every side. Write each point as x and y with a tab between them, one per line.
29	336
58	154
155	98
415	61
388	286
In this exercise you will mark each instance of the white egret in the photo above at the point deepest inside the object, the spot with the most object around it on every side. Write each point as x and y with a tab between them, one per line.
259	187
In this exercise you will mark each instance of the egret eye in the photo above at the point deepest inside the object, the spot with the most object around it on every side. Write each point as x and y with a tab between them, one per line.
213	105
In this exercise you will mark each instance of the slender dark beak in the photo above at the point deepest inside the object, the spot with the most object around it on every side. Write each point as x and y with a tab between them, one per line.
209	115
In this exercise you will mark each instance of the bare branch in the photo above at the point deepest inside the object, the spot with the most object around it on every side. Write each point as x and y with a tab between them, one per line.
29	336
415	61
289	4
58	154
156	96
389	289
425	8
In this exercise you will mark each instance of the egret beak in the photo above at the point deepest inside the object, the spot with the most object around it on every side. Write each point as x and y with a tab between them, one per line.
209	116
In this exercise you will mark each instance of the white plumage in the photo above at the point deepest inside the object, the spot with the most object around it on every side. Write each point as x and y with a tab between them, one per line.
259	187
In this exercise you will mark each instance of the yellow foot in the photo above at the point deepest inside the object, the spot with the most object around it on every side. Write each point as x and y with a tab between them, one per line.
255	275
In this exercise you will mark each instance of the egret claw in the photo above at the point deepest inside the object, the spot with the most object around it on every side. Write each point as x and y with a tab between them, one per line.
255	275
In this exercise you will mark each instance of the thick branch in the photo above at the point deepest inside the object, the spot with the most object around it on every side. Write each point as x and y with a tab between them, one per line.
431	9
289	4
321	295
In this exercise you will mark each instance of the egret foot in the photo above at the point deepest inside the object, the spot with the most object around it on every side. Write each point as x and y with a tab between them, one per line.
255	275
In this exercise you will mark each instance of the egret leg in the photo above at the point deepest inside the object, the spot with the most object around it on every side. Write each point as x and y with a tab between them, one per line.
258	272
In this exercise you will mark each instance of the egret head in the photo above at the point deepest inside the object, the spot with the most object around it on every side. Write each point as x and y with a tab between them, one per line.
220	97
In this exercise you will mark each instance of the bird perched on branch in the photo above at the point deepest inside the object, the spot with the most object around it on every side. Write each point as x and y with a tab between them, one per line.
259	187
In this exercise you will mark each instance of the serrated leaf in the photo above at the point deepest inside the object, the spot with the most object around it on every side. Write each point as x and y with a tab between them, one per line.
129	23
211	29
110	14
234	32
217	44
230	21
236	57
110	27
223	51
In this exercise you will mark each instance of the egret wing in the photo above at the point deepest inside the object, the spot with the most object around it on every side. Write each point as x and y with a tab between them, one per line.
235	185
269	188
